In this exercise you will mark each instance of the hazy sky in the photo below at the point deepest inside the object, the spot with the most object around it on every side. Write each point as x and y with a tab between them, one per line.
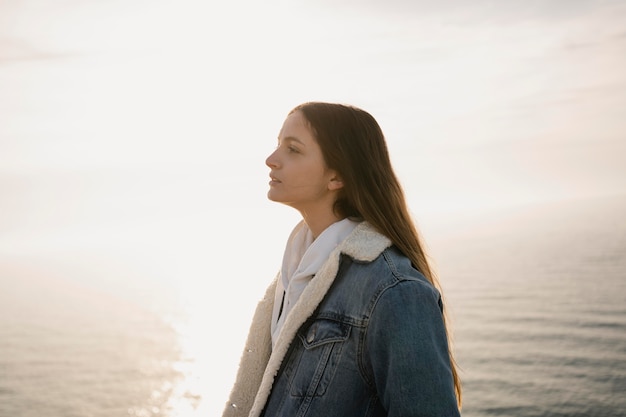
116	116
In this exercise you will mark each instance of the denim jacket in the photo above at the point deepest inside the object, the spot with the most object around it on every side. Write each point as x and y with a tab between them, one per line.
366	338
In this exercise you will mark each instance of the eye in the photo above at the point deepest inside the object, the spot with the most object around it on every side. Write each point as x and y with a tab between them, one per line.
293	149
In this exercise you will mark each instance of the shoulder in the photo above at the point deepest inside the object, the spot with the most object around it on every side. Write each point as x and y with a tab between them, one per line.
370	267
371	255
370	249
391	272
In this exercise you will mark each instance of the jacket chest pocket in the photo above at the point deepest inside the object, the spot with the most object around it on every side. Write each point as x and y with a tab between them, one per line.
320	351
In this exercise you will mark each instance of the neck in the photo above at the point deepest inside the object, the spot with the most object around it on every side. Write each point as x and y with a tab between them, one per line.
318	223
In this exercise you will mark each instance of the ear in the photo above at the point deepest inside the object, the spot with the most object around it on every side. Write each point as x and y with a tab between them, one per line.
335	183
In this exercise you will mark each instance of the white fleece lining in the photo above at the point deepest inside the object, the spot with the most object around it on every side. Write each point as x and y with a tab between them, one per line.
303	258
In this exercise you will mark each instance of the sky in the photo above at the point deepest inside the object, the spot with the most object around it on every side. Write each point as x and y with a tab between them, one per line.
533	90
133	133
114	112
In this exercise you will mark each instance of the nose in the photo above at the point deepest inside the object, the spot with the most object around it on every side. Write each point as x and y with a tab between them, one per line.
272	161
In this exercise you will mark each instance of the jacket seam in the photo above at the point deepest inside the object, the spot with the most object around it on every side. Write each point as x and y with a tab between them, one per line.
369	380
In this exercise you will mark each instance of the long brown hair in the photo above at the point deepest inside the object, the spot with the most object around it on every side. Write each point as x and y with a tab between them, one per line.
353	145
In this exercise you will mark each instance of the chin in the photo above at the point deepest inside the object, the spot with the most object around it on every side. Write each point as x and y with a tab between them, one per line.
272	197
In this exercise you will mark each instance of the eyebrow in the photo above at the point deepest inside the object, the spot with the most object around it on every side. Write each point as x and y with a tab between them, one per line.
292	139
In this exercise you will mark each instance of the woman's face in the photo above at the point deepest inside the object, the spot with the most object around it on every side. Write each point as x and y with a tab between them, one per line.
299	176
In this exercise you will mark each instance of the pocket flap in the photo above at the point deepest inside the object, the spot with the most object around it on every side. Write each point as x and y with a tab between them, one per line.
324	331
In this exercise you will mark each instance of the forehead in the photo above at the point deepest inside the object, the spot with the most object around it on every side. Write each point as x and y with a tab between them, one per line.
297	127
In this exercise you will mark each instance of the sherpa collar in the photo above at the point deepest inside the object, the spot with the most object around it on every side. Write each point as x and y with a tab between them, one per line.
365	243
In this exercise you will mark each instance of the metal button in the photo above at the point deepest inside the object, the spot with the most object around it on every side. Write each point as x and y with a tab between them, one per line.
310	337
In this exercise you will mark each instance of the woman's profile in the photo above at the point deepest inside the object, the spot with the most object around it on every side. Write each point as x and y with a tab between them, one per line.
353	324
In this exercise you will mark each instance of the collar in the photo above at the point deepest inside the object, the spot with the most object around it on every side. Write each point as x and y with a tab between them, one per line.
365	243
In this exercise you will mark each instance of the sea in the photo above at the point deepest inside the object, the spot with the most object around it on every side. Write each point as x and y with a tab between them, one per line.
536	298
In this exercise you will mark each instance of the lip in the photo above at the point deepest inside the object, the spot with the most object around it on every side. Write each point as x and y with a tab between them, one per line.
274	180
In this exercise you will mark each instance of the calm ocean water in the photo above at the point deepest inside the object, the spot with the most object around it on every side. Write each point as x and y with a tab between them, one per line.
537	298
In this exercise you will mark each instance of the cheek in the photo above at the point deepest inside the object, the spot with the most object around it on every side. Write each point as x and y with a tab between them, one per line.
311	177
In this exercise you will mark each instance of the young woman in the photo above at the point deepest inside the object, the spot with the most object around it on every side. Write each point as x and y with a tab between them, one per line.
353	325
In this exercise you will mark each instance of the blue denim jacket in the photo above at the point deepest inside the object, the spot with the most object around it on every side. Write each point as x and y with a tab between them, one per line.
375	345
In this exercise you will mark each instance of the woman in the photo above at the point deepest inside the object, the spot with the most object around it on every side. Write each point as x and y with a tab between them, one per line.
353	324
